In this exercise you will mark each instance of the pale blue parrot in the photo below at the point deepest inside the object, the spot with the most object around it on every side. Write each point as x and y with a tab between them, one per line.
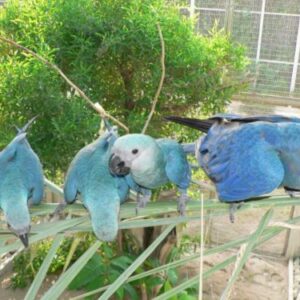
247	157
21	181
151	163
101	192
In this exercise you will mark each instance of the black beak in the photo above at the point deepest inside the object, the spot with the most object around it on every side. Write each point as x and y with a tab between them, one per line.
24	239
117	166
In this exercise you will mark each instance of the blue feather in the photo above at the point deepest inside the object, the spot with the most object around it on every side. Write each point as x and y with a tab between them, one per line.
101	192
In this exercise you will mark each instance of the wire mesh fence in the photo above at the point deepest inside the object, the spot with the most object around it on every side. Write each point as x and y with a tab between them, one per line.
270	30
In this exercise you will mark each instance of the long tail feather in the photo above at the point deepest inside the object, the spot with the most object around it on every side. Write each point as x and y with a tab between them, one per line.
202	125
25	127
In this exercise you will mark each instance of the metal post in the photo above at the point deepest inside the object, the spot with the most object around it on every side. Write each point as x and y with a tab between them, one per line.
192	8
228	15
261	27
296	61
291	279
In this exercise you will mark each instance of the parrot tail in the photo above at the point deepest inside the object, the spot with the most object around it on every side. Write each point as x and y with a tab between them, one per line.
202	125
24	129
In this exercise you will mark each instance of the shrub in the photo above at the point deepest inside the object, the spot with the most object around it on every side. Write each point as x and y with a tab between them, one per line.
111	49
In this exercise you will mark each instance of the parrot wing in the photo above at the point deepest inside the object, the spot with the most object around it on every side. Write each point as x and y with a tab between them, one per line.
177	167
123	188
242	165
33	175
71	184
80	165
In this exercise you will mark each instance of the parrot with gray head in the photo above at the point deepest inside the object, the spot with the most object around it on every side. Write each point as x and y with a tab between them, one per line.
21	183
151	163
101	192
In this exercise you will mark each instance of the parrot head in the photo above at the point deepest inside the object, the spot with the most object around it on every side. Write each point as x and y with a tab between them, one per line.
17	217
132	152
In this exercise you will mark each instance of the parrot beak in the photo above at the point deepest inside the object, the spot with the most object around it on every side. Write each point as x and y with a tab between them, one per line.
24	239
117	166
22	235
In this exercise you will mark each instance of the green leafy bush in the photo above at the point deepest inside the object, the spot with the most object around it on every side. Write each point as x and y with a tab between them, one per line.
27	263
110	49
102	269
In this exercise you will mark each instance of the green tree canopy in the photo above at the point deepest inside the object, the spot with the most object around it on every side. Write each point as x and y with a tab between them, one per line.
111	50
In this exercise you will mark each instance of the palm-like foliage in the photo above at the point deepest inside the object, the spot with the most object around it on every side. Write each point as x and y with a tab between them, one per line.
152	215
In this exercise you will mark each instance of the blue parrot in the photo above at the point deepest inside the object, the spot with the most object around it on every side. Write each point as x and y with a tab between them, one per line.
21	181
101	192
248	156
151	163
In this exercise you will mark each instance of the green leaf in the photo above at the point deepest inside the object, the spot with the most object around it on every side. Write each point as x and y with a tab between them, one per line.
52	230
91	271
246	251
267	235
124	276
40	276
167	287
64	280
72	250
131	291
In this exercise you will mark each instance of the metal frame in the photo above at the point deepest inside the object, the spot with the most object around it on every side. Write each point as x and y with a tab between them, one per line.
257	59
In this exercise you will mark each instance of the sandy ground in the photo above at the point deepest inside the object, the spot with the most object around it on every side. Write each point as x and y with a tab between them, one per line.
18	294
261	279
265	275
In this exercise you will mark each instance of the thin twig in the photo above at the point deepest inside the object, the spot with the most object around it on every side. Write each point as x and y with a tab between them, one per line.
201	250
162	78
96	106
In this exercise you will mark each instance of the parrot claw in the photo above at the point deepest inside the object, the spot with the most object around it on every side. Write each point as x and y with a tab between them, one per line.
58	210
142	202
293	194
182	200
233	207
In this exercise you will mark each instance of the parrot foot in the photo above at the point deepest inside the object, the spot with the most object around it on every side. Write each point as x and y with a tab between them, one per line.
58	210
182	200
233	207
292	193
142	202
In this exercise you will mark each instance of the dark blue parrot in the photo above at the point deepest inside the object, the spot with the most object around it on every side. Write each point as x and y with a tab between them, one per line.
21	181
247	157
101	192
149	164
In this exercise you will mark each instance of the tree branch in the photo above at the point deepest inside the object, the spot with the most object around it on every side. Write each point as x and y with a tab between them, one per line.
162	78
96	106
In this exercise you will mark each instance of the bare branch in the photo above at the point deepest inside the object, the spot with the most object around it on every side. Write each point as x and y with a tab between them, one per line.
96	106
162	78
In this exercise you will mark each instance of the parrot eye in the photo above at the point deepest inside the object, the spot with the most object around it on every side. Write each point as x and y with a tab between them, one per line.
203	152
134	151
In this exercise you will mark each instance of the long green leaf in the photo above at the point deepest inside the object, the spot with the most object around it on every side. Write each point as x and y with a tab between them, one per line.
195	280
53	229
254	240
246	251
40	276
74	246
142	275
124	276
65	279
267	234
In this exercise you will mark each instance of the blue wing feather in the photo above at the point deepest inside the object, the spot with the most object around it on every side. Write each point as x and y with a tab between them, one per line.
177	166
243	162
